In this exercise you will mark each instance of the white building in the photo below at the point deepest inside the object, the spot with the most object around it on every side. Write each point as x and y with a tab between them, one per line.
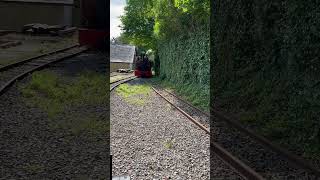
122	57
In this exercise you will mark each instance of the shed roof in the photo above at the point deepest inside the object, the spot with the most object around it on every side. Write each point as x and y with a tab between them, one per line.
122	53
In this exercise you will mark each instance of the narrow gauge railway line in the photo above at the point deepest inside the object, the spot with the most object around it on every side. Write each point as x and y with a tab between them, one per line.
235	163
266	151
118	82
201	116
13	72
190	148
118	74
121	77
227	157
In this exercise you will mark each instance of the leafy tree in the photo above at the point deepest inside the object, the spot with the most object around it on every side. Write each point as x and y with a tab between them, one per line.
138	23
147	21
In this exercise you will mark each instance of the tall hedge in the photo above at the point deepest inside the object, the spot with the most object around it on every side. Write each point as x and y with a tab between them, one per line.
266	62
185	58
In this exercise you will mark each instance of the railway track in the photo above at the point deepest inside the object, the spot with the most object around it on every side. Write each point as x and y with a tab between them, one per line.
246	171
291	157
242	162
118	82
227	157
13	72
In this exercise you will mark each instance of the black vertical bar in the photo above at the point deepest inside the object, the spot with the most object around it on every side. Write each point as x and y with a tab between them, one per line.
110	166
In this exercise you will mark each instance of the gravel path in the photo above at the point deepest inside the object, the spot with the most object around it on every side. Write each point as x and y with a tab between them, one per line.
154	141
31	149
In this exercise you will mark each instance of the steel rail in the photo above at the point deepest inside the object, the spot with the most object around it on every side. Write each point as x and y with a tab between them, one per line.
120	81
222	153
4	68
184	113
184	101
294	159
11	81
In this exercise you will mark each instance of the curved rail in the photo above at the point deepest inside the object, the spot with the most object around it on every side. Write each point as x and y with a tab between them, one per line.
23	68
116	83
227	157
4	68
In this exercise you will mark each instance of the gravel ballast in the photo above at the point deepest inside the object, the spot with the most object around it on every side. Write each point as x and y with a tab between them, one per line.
269	164
154	141
31	149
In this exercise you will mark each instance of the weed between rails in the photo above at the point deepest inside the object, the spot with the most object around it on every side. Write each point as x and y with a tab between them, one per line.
168	144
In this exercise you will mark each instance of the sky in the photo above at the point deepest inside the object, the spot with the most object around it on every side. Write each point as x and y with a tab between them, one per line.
116	9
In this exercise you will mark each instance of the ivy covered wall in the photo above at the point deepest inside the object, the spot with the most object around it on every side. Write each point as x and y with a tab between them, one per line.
266	64
185	58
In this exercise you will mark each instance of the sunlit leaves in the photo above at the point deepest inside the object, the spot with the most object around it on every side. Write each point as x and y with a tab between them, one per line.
147	21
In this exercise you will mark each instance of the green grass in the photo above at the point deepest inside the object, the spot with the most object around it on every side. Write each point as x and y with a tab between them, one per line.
56	96
196	94
51	93
127	90
134	94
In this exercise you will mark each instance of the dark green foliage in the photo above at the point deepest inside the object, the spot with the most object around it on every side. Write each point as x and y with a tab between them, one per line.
265	61
185	59
156	63
147	21
138	23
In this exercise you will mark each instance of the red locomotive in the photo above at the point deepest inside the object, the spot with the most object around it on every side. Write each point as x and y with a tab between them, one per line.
143	67
94	21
